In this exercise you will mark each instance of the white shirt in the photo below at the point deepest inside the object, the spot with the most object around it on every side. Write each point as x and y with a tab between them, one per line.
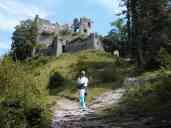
116	53
82	80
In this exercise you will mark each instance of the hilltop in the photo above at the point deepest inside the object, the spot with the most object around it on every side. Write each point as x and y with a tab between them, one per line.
36	37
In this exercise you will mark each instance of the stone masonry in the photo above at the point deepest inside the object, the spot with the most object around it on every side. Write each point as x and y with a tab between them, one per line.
55	39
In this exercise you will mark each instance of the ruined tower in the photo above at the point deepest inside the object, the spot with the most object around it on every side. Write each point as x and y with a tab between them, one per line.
85	26
55	39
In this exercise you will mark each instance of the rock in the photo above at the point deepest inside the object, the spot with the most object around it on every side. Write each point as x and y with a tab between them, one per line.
130	81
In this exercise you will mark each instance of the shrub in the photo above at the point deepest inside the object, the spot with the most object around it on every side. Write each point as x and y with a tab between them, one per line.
15	114
18	94
81	65
38	61
12	114
109	75
165	58
156	93
55	80
33	117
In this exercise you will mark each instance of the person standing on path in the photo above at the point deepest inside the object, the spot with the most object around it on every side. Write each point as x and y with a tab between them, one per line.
82	84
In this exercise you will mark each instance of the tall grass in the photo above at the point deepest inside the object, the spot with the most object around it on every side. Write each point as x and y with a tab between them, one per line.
28	89
20	97
152	97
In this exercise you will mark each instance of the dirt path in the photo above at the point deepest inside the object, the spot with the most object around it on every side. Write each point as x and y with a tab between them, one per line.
69	115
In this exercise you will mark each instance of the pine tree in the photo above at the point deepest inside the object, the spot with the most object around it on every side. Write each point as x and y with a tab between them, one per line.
146	23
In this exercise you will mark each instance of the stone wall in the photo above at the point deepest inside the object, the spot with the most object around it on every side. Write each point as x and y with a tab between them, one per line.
45	39
82	44
79	45
85	26
49	36
46	31
98	44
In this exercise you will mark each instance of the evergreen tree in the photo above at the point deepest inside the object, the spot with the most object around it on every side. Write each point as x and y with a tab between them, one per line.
146	23
117	37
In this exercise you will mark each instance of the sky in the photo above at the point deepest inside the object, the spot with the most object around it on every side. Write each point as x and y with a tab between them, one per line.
101	12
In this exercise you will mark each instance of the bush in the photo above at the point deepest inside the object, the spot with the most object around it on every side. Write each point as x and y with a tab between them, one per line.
34	117
12	78
156	93
165	58
38	61
80	66
56	80
19	93
109	75
15	114
12	114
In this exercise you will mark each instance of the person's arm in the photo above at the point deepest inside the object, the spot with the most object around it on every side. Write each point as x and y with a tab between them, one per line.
86	81
86	87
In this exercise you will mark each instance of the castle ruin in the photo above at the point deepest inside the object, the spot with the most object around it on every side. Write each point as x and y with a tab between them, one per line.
55	39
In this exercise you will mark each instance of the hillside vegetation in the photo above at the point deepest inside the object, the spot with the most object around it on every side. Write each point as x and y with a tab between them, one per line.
57	77
147	102
152	97
30	88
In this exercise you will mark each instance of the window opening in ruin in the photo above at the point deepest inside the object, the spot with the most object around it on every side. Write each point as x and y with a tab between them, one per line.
89	24
63	48
85	30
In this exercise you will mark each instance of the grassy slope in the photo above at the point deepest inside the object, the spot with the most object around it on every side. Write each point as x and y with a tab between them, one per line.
152	97
105	73
100	66
27	84
148	104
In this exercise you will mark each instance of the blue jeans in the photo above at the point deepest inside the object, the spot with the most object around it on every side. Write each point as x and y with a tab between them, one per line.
82	102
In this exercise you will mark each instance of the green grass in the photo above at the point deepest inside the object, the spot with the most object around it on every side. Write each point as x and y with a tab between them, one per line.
98	65
151	98
104	72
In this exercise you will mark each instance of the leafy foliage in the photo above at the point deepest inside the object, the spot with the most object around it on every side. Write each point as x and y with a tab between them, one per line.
24	39
56	80
165	58
19	96
12	114
117	37
120	34
150	97
147	30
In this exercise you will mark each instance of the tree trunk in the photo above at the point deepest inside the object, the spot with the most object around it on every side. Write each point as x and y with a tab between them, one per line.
129	27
